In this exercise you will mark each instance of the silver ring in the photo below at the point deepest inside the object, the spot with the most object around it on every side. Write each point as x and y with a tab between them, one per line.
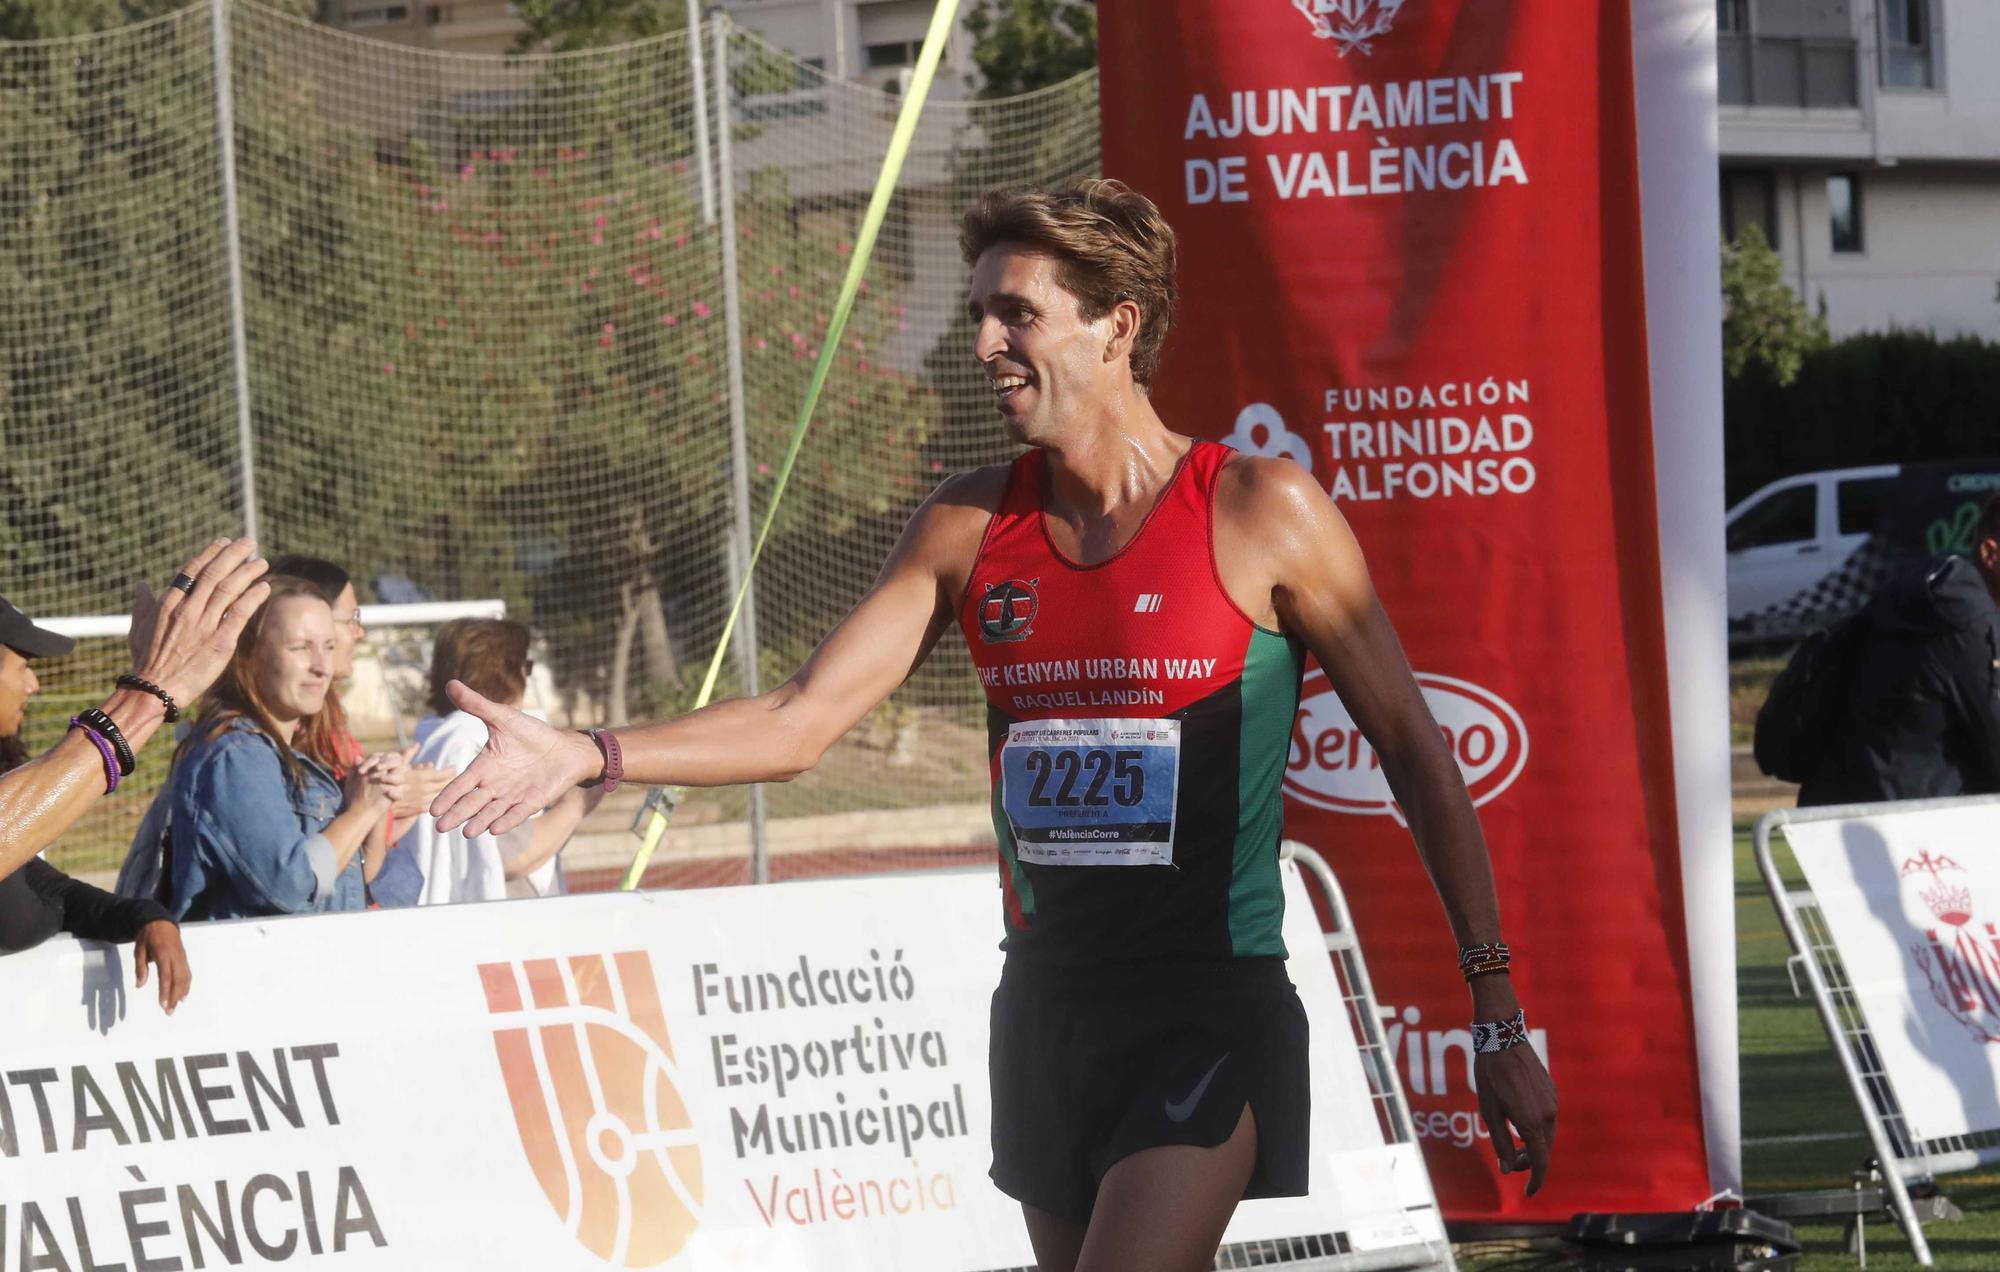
184	582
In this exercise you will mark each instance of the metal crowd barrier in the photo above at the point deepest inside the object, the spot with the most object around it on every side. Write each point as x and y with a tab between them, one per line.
1903	1155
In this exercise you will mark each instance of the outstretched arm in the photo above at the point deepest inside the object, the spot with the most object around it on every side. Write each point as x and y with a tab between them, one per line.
1320	592
772	737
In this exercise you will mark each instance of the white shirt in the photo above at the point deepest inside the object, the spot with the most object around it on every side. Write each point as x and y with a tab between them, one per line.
455	867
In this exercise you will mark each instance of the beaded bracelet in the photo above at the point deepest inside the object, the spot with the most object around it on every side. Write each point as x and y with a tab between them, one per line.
111	774
107	728
130	681
1499	1035
1482	960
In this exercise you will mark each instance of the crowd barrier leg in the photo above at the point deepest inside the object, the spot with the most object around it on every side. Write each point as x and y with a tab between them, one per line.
1886	1155
1358	990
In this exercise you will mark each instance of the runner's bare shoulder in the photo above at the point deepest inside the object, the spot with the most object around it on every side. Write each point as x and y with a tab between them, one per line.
953	519
1262	497
1275	531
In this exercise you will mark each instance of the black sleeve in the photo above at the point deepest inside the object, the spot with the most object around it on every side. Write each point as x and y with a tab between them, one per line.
1979	690
91	913
27	918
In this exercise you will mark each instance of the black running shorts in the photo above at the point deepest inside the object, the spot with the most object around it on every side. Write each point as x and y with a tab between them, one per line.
1089	1066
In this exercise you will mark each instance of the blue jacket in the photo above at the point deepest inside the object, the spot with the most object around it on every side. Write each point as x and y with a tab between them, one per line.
246	842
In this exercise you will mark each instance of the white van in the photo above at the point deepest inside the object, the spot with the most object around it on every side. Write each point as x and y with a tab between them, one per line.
1795	532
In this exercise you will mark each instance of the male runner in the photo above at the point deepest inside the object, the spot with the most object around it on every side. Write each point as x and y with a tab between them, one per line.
1139	605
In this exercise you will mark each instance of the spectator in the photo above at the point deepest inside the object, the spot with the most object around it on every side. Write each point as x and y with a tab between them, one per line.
258	824
432	868
179	642
38	900
1918	685
330	729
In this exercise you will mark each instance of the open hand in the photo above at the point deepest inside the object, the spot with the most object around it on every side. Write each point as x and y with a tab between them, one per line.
159	945
1516	1091
524	766
181	641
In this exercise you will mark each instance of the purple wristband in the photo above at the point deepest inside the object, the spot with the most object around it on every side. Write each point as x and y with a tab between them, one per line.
614	760
103	749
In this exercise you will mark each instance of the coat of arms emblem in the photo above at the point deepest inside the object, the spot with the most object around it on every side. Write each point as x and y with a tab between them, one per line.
1960	954
1351	24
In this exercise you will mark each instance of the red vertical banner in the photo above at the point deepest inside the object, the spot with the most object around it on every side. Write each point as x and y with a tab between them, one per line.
1410	260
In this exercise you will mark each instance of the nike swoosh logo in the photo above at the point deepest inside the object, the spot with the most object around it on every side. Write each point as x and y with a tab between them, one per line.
1183	1110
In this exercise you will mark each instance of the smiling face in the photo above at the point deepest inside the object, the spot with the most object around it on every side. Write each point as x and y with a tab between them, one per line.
17	685
1051	372
294	659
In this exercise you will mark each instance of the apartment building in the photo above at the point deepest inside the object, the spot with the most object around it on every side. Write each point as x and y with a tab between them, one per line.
1863	137
872	41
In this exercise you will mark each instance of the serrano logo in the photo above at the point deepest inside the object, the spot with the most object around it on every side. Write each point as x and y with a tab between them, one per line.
1331	765
1007	611
590	1072
1351	24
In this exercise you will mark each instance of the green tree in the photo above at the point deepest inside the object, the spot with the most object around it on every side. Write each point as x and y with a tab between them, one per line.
1763	322
492	358
1882	397
563	26
1022	45
486	338
116	436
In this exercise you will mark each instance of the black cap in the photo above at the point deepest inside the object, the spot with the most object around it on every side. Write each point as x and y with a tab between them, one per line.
24	638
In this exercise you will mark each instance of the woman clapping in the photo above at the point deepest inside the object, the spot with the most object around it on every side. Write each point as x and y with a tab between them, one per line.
258	824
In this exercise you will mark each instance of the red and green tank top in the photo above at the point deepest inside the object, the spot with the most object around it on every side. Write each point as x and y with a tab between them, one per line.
1137	724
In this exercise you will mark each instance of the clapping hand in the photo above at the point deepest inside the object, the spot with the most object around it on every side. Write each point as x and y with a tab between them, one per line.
380	779
425	781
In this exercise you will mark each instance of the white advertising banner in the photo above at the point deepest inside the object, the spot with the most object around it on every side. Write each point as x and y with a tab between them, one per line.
781	1077
1912	900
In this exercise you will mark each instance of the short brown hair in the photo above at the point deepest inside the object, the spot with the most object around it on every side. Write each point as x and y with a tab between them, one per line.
489	655
1989	521
1110	244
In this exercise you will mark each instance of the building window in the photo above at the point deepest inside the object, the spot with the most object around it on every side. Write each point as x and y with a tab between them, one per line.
436	15
378	15
1750	197
1843	210
1787	53
1909	44
896	53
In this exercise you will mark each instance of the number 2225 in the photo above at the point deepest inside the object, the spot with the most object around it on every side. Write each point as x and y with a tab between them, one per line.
1122	770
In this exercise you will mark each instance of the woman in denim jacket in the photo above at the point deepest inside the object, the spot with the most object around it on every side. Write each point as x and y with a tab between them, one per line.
258	824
